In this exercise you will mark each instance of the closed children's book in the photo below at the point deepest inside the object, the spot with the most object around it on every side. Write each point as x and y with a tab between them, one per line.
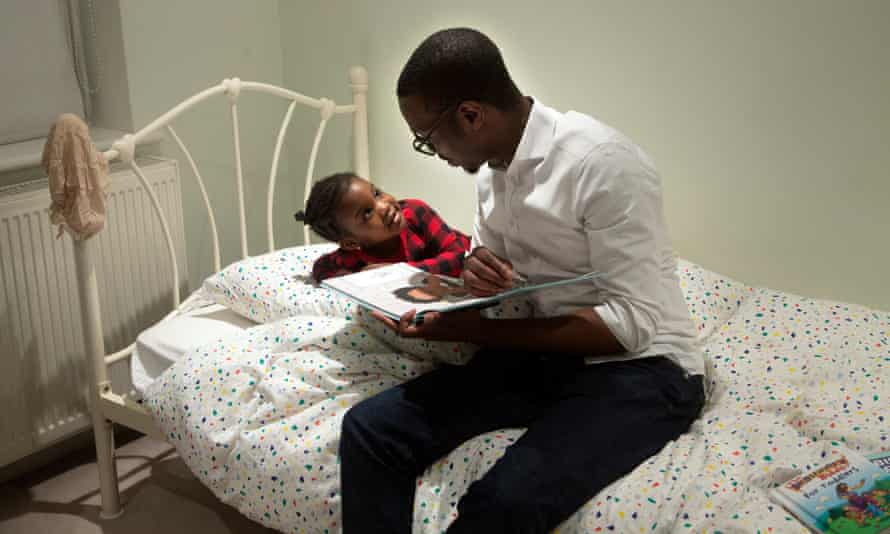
399	288
848	493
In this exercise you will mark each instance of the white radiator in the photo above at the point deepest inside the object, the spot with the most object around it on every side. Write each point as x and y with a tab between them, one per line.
43	372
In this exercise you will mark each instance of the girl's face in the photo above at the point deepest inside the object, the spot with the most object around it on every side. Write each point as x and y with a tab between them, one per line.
368	216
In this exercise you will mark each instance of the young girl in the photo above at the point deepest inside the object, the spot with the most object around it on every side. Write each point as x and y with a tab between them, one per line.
373	228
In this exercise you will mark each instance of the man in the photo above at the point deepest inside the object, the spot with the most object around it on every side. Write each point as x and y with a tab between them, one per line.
602	376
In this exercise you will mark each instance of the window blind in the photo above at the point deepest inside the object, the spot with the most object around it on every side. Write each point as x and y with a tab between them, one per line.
37	65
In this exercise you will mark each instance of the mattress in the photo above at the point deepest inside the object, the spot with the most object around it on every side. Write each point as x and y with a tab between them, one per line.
158	347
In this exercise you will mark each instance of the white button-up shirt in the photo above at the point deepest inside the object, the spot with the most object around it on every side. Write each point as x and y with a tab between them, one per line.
581	197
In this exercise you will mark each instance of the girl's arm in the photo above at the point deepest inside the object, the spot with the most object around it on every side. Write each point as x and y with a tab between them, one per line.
446	246
336	263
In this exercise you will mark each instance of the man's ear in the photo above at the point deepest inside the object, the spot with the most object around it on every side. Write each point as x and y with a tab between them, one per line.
349	243
471	115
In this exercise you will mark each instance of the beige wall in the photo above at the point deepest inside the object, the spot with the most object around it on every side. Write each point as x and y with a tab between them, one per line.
769	121
152	55
174	49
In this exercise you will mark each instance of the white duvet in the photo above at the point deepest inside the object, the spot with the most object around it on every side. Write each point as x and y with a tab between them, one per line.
256	416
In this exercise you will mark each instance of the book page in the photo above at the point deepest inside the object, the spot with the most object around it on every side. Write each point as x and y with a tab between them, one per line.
399	288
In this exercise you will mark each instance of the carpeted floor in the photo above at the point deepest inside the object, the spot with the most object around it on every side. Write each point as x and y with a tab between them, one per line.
160	495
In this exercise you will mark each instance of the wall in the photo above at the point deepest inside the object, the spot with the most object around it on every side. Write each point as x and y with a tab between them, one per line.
106	65
768	120
175	49
320	42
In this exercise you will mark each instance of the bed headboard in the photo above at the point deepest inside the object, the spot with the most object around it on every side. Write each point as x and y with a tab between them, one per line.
124	150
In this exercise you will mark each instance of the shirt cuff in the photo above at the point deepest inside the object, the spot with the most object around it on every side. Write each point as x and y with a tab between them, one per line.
635	333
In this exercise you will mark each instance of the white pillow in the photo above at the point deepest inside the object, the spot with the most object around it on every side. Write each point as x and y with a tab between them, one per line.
277	285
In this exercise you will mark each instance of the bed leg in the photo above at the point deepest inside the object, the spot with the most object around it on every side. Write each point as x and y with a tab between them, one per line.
108	489
91	320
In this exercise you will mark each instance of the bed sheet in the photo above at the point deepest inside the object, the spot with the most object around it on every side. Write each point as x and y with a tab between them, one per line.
164	343
790	376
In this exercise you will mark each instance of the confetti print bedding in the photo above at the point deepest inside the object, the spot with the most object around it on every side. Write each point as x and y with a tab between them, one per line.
256	416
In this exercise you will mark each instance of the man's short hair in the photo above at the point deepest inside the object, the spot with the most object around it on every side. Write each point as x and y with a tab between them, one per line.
458	64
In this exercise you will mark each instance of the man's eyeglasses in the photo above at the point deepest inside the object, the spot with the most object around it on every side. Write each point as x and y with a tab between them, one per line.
423	143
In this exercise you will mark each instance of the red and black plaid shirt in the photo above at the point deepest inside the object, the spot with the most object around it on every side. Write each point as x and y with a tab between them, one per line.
427	243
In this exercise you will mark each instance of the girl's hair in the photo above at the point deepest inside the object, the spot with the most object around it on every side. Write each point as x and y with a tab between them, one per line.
321	209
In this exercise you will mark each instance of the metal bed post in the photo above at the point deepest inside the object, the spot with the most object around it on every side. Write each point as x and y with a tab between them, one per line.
91	319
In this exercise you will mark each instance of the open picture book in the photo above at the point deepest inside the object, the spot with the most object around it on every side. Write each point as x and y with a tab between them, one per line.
399	288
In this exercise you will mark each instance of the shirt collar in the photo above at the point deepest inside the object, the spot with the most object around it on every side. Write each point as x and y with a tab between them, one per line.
537	138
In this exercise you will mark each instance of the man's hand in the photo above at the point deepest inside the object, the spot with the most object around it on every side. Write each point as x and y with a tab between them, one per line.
462	325
486	274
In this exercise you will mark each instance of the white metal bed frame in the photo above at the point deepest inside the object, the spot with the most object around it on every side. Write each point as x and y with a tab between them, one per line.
108	407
